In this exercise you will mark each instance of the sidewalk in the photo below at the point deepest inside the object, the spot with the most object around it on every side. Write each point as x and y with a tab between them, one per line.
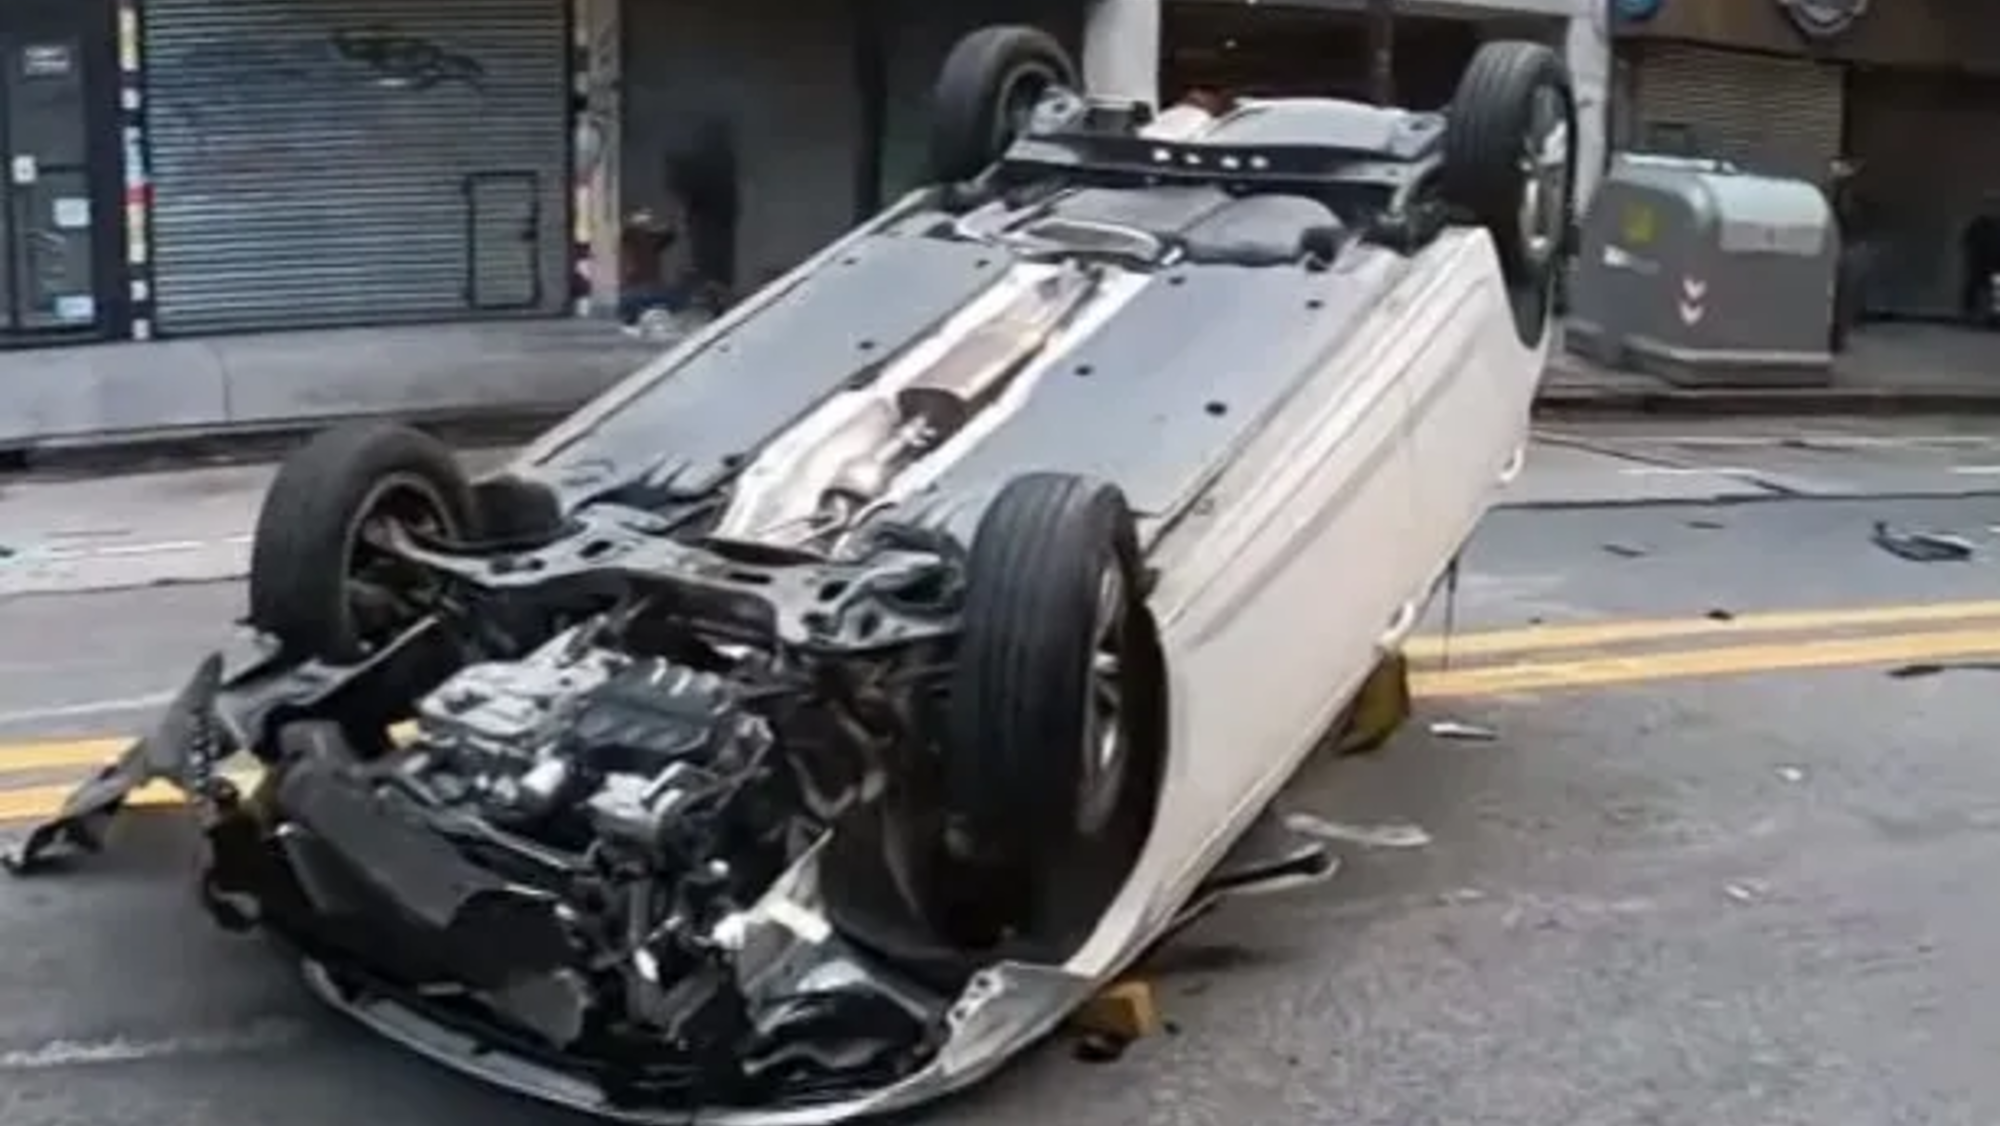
124	406
181	525
176	506
172	392
1889	369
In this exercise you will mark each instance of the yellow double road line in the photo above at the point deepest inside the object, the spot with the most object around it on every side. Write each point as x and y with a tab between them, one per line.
1833	639
1547	658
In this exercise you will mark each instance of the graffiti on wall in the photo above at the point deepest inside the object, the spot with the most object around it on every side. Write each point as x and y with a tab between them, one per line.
373	55
203	87
596	67
397	61
596	165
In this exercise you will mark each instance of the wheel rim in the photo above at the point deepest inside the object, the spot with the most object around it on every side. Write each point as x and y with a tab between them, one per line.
1106	747
1019	95
1544	170
381	592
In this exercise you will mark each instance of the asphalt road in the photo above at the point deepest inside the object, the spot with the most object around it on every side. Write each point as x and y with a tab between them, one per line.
1688	880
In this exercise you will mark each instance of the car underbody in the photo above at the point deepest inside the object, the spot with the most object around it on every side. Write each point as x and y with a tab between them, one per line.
790	736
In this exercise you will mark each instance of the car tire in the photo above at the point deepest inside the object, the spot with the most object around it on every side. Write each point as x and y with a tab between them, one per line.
1510	98
308	558
516	513
990	78
1054	726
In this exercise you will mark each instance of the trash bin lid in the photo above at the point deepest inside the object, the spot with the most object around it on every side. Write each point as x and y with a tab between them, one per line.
1764	213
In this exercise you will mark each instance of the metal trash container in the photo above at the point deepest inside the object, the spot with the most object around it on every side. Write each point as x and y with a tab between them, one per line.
1705	275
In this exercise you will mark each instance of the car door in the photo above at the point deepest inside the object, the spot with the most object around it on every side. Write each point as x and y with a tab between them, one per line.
1470	391
1277	614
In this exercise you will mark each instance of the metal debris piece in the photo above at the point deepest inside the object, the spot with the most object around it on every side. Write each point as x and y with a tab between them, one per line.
1931	668
1741	893
1625	551
1395	835
1921	547
1468	732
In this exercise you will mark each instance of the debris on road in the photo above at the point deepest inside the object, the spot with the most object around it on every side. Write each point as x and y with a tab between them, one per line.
1394	835
1625	551
1125	1011
1720	615
1466	732
1379	709
1930	668
1707	525
1921	547
1791	774
1743	892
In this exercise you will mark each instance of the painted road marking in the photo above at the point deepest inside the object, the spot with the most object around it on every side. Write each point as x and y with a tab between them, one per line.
88	708
1492	678
1725	660
32	803
19	758
59	754
258	1035
1586	635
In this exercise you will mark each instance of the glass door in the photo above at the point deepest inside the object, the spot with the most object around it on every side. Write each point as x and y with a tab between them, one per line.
62	274
50	213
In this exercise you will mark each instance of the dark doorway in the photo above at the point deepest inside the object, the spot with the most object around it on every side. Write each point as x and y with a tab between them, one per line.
1269	50
61	230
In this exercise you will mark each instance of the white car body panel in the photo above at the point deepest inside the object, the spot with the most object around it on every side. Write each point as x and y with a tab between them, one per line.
1307	415
1304	561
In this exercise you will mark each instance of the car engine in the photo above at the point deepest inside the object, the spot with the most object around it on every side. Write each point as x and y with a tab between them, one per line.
645	796
579	746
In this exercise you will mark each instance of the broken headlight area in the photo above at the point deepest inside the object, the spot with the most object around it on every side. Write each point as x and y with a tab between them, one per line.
595	858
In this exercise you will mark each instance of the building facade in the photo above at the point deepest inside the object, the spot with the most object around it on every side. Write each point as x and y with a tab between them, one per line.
1892	107
182	168
62	226
185	167
1322	48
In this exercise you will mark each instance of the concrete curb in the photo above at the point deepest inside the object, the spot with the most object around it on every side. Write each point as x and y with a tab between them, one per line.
1556	402
139	451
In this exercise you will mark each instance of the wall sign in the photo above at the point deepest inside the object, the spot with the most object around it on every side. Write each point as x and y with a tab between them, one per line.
46	60
1824	19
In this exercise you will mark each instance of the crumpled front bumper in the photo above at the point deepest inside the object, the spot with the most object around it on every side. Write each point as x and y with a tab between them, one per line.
183	748
1005	1010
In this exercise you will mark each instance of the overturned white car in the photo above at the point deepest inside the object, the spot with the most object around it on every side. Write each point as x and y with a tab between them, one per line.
815	720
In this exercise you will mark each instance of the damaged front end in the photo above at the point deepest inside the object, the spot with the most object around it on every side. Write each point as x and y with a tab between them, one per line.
668	968
184	749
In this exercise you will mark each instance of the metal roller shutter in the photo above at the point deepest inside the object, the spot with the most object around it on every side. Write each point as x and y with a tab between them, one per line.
340	162
1765	112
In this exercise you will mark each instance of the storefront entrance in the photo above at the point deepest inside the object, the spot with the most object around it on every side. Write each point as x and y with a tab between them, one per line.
335	163
1926	167
59	213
